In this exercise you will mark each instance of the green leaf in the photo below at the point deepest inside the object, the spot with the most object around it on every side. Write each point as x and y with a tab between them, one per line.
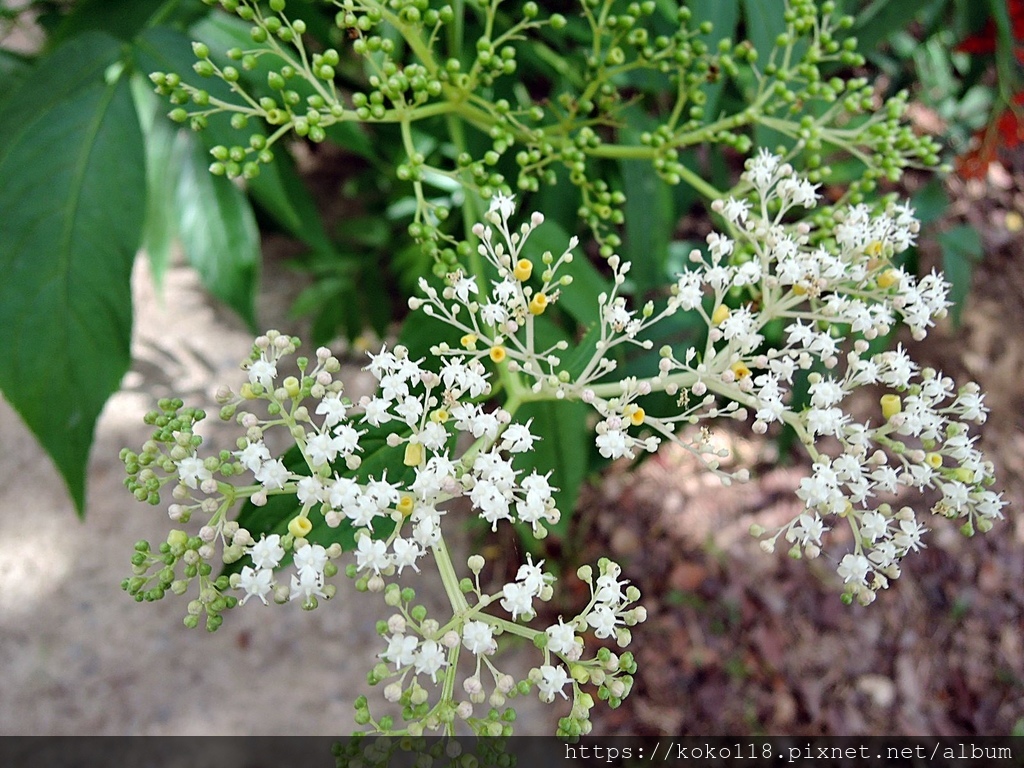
121	18
218	231
13	69
278	189
562	450
162	172
883	17
930	202
961	247
649	221
73	192
763	23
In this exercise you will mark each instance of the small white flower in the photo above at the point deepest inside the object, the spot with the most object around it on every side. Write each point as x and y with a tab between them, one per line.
808	529
603	620
310	490
761	169
504	204
735	210
373	554
464	286
273	474
430	658
192	472
854	568
401	650
517	599
307	584
613	444
517	438
478	638
383	493
375	411
608	589
908	537
873	525
719	246
256	582
332	409
267	553
531	576
689	290
552	681
263	372
493	313
346	439
406	552
343	492
433	436
492	503
253	455
311	558
562	638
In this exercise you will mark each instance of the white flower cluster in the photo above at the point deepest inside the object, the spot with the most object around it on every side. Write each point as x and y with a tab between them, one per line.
824	284
831	289
834	288
500	324
531	582
419	414
428	410
312	565
416	645
609	614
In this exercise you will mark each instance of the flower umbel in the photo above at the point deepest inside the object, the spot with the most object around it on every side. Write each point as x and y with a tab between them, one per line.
381	473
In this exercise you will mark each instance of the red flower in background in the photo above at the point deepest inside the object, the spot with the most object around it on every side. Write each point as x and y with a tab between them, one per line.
985	41
1006	129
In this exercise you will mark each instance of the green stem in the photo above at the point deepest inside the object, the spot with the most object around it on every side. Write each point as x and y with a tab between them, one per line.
510	626
449	578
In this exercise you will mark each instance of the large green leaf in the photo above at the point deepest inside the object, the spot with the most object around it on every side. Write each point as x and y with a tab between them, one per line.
122	18
961	249
278	189
650	220
218	231
13	69
883	17
162	174
563	450
215	222
72	197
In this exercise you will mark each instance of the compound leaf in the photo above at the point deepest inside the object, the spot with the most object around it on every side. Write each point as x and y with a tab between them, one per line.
73	202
